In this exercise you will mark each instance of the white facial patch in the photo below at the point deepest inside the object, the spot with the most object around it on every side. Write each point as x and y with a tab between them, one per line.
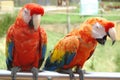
98	31
26	15
36	21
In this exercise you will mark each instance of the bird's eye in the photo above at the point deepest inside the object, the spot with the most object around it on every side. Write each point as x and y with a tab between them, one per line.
97	27
26	11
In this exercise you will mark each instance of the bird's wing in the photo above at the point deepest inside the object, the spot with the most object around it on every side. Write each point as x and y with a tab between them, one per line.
91	53
43	44
63	53
9	48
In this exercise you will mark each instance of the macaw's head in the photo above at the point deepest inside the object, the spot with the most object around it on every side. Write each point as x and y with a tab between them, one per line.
31	14
101	28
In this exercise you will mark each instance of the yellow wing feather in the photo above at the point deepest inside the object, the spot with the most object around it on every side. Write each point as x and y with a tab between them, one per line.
67	44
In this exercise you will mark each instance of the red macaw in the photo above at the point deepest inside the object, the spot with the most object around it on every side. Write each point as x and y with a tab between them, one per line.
26	41
77	46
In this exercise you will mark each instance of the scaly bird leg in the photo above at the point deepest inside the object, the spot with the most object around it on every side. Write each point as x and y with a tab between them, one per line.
81	73
14	71
35	73
70	72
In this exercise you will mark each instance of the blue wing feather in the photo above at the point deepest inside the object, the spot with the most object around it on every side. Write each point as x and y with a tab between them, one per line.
69	57
56	64
9	52
44	47
53	66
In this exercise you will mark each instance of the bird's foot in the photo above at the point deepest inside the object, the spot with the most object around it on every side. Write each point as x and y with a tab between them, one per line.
35	73
69	71
14	70
81	73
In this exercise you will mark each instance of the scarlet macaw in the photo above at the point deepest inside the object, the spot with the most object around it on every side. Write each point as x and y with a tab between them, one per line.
77	46
26	41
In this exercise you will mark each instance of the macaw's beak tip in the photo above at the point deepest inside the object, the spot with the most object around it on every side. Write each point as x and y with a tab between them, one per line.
113	42
112	35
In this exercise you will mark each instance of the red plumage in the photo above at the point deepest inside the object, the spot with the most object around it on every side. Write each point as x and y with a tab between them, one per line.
26	51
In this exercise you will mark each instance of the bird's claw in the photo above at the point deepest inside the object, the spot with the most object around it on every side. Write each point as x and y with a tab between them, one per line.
69	71
35	73
14	70
72	77
81	74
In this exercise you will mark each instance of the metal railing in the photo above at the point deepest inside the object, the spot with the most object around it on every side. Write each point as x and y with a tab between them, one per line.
48	75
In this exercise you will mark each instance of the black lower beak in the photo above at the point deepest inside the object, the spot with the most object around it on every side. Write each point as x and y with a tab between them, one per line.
101	40
31	23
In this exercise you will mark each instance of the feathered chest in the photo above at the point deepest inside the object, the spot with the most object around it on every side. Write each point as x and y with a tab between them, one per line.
26	38
85	49
87	44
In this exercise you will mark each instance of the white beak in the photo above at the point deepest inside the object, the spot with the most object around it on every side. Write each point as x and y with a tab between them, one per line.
36	21
112	34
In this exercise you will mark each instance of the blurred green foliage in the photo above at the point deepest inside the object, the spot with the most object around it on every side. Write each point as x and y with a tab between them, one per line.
117	62
5	21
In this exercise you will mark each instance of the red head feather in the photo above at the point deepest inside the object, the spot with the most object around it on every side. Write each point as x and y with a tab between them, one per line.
34	8
108	26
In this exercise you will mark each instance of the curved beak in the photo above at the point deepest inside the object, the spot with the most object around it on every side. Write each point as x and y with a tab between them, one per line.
112	35
36	21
